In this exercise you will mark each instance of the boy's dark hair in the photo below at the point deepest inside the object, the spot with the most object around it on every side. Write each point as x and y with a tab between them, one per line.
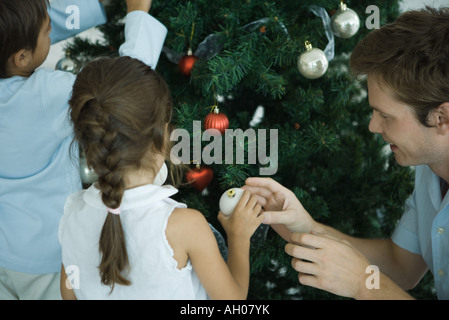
411	57
20	24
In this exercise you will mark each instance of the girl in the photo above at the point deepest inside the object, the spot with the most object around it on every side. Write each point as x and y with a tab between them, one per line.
124	238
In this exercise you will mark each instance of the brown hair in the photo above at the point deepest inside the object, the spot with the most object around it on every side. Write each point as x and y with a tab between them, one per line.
20	24
411	57
120	109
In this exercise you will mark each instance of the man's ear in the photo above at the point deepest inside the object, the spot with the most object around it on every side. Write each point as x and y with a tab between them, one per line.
440	118
22	58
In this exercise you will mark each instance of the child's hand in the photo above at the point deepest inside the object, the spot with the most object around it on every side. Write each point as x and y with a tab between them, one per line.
134	5
245	219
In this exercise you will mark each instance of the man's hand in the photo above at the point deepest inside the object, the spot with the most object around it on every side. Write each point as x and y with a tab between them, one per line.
136	5
280	205
332	264
328	263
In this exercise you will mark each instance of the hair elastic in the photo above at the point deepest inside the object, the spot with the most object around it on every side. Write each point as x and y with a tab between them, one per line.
115	211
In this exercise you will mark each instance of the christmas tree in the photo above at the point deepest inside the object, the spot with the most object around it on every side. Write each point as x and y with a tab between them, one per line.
246	63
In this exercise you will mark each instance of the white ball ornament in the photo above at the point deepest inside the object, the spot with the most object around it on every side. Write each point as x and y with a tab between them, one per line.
229	200
312	63
345	22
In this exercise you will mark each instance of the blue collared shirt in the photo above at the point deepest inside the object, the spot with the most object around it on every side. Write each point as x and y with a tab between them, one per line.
424	227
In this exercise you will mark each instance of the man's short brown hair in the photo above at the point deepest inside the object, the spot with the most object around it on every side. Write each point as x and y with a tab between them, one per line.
20	24
411	57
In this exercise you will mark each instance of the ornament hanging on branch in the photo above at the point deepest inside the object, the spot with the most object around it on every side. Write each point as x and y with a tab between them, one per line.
206	50
200	177
216	120
68	64
312	63
187	62
88	175
345	22
209	47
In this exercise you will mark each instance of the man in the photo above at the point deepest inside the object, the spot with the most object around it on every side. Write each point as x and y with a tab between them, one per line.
407	69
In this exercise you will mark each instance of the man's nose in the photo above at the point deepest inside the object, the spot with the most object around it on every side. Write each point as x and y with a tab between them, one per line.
374	124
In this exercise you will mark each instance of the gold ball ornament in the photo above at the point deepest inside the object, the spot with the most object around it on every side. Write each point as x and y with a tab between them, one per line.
312	63
345	22
229	200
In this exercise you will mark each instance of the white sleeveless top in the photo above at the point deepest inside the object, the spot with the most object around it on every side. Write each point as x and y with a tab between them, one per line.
153	270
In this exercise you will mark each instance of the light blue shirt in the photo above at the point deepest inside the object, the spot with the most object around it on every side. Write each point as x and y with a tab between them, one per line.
63	13
424	227
37	173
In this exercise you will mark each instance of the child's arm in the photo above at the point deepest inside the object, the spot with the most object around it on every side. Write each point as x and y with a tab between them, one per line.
65	16
65	287
188	232
239	228
144	35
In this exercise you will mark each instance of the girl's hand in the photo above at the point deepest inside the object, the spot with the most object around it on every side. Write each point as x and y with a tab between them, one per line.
245	219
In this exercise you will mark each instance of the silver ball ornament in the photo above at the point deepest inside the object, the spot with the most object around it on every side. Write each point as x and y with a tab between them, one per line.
88	175
229	200
68	64
345	22
312	63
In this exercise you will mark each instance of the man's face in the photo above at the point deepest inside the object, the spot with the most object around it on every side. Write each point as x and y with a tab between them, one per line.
411	142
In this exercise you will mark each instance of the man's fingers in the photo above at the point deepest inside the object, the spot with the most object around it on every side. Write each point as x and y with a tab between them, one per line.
311	240
260	191
267	183
303	266
297	251
277	217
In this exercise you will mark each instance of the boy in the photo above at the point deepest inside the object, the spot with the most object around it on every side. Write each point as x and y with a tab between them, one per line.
36	171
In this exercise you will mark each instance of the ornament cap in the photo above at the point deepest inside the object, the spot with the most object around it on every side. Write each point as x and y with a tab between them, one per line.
343	6
230	193
308	45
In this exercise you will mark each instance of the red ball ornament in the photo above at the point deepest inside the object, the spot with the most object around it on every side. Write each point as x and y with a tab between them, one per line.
200	177
216	120
187	63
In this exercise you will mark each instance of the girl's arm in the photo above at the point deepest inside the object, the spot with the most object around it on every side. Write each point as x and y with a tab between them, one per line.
66	289
239	227
189	232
